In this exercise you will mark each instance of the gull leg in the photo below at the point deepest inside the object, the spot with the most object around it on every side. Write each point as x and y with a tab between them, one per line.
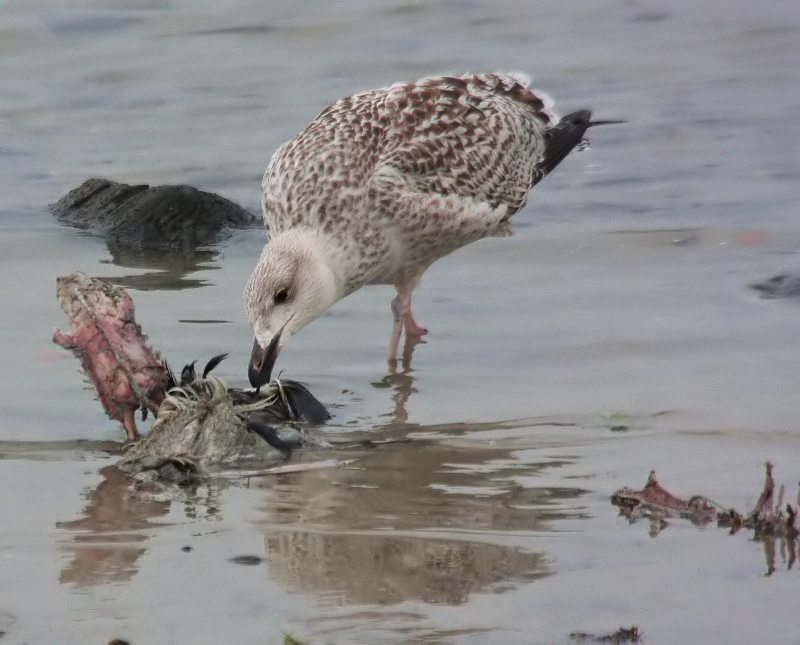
397	326
412	327
403	319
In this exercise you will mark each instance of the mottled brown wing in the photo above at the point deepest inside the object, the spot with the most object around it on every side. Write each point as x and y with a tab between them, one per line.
478	136
322	171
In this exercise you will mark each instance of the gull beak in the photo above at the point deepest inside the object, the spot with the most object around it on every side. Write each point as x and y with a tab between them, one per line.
262	361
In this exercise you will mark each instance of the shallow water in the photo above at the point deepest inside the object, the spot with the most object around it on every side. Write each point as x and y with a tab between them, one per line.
613	334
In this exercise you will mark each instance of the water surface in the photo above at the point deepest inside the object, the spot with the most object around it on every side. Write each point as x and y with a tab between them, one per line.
613	334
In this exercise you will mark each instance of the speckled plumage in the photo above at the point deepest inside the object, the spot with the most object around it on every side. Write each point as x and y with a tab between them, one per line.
390	180
438	163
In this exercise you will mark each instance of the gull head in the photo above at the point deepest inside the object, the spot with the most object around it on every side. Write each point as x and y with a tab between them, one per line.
291	285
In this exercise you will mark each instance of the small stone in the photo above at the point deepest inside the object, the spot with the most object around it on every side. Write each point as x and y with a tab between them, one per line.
247	560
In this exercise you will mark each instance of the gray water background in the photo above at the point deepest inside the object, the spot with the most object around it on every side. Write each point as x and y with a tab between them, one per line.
620	302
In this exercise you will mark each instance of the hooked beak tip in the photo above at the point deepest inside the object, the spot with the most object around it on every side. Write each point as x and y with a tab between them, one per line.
259	372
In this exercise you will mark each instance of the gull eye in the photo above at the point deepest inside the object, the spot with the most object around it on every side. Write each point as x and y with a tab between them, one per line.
280	296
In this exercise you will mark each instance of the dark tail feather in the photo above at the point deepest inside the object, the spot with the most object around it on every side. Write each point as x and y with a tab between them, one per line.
567	134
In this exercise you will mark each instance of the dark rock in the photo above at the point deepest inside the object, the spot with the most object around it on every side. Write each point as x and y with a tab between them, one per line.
784	285
175	217
622	635
247	560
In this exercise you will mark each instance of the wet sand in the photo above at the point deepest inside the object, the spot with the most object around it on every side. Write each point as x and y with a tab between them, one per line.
613	334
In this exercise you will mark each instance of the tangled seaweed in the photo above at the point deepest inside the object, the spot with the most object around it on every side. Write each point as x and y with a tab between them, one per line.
210	392
203	423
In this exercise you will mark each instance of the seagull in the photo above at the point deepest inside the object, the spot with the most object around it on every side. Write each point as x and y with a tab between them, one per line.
385	182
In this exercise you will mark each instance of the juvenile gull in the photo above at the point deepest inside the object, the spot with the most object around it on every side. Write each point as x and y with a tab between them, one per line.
382	184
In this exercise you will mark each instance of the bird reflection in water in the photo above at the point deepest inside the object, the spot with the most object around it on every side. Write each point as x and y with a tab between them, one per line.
426	514
107	541
401	381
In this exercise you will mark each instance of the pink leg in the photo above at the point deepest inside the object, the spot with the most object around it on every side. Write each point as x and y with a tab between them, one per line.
394	340
403	318
411	326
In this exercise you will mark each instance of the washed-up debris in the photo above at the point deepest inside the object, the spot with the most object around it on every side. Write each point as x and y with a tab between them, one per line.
246	560
288	639
205	424
622	635
287	469
656	502
767	517
126	372
199	420
770	518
